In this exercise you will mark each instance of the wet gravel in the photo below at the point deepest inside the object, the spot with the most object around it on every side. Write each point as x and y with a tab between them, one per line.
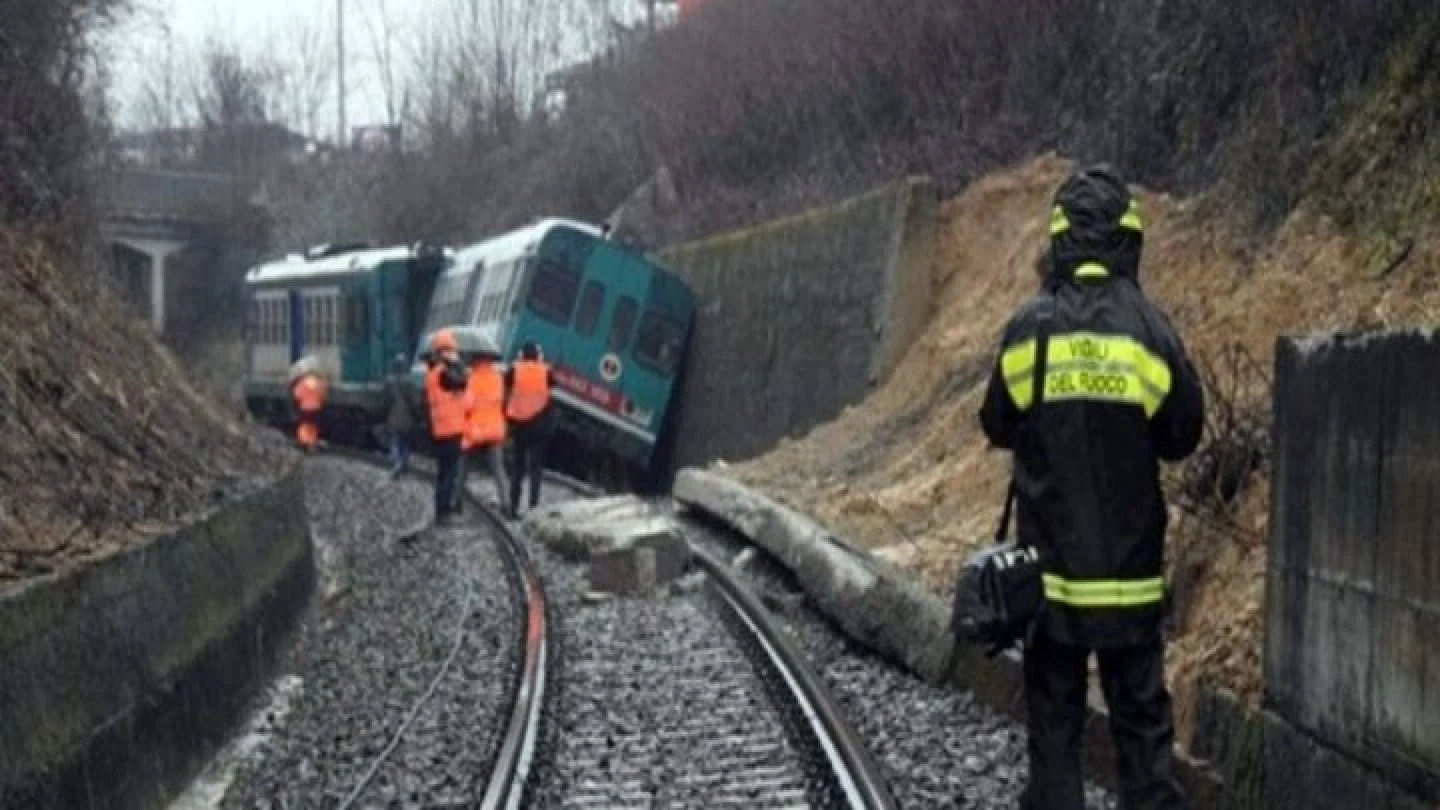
391	617
658	704
938	747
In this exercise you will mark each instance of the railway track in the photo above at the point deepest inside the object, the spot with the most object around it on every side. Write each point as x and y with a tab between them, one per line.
697	700
514	746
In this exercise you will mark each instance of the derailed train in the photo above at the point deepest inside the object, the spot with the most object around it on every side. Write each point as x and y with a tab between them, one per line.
615	326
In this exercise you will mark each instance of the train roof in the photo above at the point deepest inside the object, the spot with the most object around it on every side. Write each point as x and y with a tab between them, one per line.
516	242
296	266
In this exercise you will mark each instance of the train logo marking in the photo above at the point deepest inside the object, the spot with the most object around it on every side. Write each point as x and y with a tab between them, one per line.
610	367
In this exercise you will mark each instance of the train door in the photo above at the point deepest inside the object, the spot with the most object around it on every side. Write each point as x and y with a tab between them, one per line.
297	325
357	352
394	332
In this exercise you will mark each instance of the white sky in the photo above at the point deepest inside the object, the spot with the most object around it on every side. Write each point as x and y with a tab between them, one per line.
137	49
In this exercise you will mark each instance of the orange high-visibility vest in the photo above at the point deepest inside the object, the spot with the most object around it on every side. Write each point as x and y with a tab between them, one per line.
485	406
530	393
309	393
447	408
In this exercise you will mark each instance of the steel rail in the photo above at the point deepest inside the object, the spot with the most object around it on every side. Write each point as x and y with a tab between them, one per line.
855	770
510	771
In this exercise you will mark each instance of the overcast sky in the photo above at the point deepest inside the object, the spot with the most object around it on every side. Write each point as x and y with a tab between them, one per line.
137	49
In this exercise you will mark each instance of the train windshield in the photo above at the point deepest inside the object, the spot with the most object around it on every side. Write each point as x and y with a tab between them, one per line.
659	342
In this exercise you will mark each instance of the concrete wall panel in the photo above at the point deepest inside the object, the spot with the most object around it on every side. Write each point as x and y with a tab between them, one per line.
1352	649
800	317
118	679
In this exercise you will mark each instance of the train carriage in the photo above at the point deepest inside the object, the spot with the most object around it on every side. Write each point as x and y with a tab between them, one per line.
614	325
353	309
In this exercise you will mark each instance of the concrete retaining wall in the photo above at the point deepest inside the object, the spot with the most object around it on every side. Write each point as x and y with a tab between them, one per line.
118	680
1352	647
800	317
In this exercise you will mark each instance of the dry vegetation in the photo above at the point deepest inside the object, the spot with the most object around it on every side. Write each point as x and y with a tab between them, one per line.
105	442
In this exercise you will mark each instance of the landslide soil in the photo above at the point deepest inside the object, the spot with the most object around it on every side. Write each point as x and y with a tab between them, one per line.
104	441
907	472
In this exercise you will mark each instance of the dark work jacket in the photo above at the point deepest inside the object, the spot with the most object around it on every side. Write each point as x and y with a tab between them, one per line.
1086	457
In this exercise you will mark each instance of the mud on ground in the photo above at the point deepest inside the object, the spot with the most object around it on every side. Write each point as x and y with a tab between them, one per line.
908	472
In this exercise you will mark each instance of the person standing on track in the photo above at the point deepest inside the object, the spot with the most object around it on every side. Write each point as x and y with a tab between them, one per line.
445	396
485	424
308	393
1092	389
529	381
400	416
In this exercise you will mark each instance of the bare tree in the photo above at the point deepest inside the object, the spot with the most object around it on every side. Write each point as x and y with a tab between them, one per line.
306	75
236	102
380	29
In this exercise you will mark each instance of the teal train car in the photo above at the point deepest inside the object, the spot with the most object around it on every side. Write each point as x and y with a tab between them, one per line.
354	308
614	325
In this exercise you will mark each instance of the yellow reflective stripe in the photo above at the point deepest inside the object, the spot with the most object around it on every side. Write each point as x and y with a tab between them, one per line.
1017	365
1105	368
1131	220
1059	223
1104	592
1091	270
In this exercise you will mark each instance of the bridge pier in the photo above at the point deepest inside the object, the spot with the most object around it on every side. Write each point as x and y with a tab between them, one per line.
158	253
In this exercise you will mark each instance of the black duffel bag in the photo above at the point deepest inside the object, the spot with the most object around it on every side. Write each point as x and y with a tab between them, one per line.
999	591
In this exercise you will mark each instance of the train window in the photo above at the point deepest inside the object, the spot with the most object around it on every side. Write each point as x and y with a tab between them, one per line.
591	299
553	291
658	342
622	323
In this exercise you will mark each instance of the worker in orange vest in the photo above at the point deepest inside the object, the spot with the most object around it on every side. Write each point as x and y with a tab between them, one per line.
308	392
446	399
485	424
529	382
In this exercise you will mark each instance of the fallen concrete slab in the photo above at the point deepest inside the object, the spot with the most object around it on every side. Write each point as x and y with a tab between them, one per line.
639	557
875	603
576	528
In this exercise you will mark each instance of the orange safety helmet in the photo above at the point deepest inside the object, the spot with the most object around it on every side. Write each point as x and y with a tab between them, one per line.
445	341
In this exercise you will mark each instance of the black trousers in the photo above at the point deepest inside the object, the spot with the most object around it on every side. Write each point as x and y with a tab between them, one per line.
531	440
447	465
1141	724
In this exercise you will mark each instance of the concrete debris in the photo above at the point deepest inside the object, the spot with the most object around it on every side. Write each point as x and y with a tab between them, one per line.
690	583
576	529
871	600
637	564
743	559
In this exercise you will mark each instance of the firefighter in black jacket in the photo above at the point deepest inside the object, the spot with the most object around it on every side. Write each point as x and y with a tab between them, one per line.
1119	395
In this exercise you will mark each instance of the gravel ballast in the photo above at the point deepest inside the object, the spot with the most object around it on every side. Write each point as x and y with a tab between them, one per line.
393	615
938	747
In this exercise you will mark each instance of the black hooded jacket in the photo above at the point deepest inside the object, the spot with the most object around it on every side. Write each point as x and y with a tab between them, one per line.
1120	395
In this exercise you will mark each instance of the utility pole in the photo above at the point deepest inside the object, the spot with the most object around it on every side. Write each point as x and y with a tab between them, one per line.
340	72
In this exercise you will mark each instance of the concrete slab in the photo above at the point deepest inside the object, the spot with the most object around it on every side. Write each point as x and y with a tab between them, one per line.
874	602
574	528
639	560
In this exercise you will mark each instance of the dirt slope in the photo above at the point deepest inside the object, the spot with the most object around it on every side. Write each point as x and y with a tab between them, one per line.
105	441
908	471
